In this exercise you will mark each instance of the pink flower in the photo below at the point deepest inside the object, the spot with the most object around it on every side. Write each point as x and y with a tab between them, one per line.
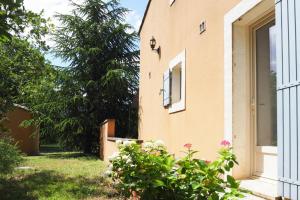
207	162
225	143
188	145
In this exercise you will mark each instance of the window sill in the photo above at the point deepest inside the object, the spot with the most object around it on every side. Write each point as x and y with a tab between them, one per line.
114	139
177	107
267	150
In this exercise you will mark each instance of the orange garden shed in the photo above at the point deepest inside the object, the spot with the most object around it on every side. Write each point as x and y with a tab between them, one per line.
27	138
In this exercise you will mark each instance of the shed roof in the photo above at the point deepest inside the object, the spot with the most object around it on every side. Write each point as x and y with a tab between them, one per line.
22	107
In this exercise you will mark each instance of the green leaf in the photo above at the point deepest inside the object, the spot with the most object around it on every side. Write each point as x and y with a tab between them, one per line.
232	182
159	183
214	196
195	186
230	164
170	161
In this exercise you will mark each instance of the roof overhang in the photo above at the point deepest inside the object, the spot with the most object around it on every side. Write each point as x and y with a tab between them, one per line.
144	17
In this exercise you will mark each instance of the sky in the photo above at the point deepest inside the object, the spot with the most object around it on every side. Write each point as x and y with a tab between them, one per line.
51	7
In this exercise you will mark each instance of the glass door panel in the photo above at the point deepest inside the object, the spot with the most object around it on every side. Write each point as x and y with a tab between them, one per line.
265	154
266	85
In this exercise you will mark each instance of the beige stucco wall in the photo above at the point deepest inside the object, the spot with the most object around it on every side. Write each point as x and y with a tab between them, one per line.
110	149
177	28
108	145
27	138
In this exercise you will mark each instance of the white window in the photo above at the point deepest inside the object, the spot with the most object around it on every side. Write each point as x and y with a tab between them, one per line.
174	84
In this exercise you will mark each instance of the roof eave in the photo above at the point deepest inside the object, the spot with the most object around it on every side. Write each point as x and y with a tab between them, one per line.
144	17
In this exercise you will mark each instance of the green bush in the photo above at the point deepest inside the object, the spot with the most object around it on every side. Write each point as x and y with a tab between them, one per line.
10	156
150	172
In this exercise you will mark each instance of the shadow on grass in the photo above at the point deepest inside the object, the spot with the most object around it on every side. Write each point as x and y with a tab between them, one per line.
53	151
51	185
49	148
70	155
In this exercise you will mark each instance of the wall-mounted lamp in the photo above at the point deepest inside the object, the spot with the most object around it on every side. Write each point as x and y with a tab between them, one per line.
153	44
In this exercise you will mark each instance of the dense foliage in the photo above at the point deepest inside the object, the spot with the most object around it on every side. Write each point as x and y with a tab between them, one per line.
69	103
150	172
102	79
10	156
21	61
46	103
12	17
15	20
21	64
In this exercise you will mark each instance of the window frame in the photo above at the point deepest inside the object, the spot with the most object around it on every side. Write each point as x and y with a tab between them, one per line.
180	59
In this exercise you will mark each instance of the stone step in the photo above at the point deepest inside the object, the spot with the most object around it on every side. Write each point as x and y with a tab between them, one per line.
260	188
253	197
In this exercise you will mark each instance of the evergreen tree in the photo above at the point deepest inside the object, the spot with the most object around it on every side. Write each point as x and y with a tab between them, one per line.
102	79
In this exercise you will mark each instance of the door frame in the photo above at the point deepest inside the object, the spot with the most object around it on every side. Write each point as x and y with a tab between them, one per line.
237	124
253	95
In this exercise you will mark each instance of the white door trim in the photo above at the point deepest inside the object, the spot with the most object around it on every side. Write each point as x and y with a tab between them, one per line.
234	14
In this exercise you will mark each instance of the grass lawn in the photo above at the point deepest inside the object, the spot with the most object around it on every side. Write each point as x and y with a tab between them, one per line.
58	176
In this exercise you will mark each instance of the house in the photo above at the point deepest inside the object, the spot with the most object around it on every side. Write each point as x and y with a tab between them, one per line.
27	139
226	69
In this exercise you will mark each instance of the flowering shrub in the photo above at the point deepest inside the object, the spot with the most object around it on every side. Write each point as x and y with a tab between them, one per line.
150	172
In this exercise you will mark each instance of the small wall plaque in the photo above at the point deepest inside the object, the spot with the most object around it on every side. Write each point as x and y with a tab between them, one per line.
202	27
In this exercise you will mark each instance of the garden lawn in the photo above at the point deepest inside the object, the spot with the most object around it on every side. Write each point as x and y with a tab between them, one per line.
58	176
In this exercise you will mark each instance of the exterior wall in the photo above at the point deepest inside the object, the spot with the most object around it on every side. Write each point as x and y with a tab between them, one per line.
27	138
111	148
108	140
107	148
176	28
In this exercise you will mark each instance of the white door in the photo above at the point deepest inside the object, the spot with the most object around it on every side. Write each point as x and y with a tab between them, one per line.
264	100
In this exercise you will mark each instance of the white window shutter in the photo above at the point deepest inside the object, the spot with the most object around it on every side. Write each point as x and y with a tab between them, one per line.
166	89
